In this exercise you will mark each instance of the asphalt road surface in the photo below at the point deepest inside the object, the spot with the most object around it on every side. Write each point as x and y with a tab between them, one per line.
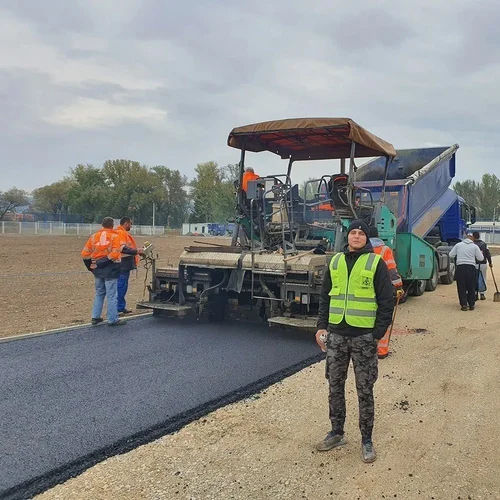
69	400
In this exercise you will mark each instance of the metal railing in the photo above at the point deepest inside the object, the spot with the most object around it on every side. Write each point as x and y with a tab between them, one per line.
74	229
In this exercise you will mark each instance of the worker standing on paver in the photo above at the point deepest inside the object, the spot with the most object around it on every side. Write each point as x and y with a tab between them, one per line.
129	260
248	175
380	248
466	253
482	267
101	255
355	309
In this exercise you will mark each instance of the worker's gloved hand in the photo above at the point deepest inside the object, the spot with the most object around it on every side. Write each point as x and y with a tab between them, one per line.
321	336
400	293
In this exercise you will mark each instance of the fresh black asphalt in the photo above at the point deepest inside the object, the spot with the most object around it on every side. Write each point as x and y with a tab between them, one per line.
69	400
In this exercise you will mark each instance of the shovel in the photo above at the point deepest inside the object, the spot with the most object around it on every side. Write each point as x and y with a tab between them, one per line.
496	295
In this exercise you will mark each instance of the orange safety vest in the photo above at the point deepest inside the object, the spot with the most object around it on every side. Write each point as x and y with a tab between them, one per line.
128	240
388	257
104	243
248	176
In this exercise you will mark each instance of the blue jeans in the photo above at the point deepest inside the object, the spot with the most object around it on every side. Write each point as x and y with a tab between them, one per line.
122	289
105	288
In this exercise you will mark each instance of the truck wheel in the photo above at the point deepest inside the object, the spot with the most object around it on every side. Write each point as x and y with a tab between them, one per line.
417	288
432	283
449	277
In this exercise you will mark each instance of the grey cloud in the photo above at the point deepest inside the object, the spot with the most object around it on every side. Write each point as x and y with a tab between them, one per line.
414	76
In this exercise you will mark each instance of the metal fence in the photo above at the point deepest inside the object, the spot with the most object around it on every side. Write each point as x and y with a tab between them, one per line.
74	229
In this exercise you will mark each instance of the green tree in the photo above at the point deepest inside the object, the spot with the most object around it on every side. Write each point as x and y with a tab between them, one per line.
175	203
53	198
489	195
11	199
213	192
469	191
484	195
89	195
225	202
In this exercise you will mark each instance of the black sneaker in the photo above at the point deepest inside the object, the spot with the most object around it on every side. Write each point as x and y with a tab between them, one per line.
120	322
464	308
368	454
96	321
483	297
331	441
471	308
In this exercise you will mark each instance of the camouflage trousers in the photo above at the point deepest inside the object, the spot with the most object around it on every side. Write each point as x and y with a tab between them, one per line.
363	352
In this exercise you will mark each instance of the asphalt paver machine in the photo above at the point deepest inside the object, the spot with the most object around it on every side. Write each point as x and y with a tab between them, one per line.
283	235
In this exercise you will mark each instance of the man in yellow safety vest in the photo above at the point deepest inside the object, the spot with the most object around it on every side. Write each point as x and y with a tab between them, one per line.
355	309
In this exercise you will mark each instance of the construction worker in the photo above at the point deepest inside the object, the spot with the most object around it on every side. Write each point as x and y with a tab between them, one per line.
482	267
248	175
380	248
466	254
129	260
101	255
355	309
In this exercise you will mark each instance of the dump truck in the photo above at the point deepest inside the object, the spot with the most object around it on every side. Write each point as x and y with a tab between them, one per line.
284	236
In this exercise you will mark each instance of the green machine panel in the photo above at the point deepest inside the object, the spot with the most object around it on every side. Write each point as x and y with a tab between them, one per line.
414	257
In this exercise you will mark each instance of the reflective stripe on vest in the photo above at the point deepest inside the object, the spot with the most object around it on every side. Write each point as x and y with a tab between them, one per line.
353	297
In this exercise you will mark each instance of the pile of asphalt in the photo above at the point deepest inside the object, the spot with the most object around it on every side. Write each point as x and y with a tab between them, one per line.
72	399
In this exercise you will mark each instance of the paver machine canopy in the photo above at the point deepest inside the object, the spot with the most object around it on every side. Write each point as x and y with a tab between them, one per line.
271	211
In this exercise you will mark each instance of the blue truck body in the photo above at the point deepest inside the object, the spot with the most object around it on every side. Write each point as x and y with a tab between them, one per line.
417	191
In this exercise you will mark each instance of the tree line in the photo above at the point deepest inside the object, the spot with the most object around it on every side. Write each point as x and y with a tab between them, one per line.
125	187
484	195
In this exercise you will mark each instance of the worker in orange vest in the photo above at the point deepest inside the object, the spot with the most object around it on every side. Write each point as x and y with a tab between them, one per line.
102	254
129	260
248	175
380	248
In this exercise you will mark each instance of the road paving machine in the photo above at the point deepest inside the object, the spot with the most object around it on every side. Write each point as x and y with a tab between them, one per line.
283	235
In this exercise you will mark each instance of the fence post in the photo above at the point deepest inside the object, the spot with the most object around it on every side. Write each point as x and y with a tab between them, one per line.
36	227
3	227
77	229
20	227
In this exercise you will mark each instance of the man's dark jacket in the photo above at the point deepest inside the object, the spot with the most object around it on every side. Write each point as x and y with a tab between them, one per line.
106	268
485	250
383	291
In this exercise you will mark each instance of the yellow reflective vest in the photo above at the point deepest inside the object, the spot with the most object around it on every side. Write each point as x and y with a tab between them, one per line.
353	297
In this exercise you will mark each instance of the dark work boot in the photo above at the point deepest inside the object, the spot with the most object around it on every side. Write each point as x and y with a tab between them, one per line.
464	308
368	454
120	322
96	321
331	440
483	296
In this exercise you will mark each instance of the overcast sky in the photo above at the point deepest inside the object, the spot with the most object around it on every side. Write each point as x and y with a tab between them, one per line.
164	82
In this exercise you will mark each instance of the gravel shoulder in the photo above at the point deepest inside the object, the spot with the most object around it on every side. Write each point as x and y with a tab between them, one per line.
436	430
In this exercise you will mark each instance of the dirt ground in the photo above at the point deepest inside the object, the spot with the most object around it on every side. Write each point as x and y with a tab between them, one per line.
436	431
45	285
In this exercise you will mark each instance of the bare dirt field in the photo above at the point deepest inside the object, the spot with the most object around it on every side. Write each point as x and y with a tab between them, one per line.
436	431
44	284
